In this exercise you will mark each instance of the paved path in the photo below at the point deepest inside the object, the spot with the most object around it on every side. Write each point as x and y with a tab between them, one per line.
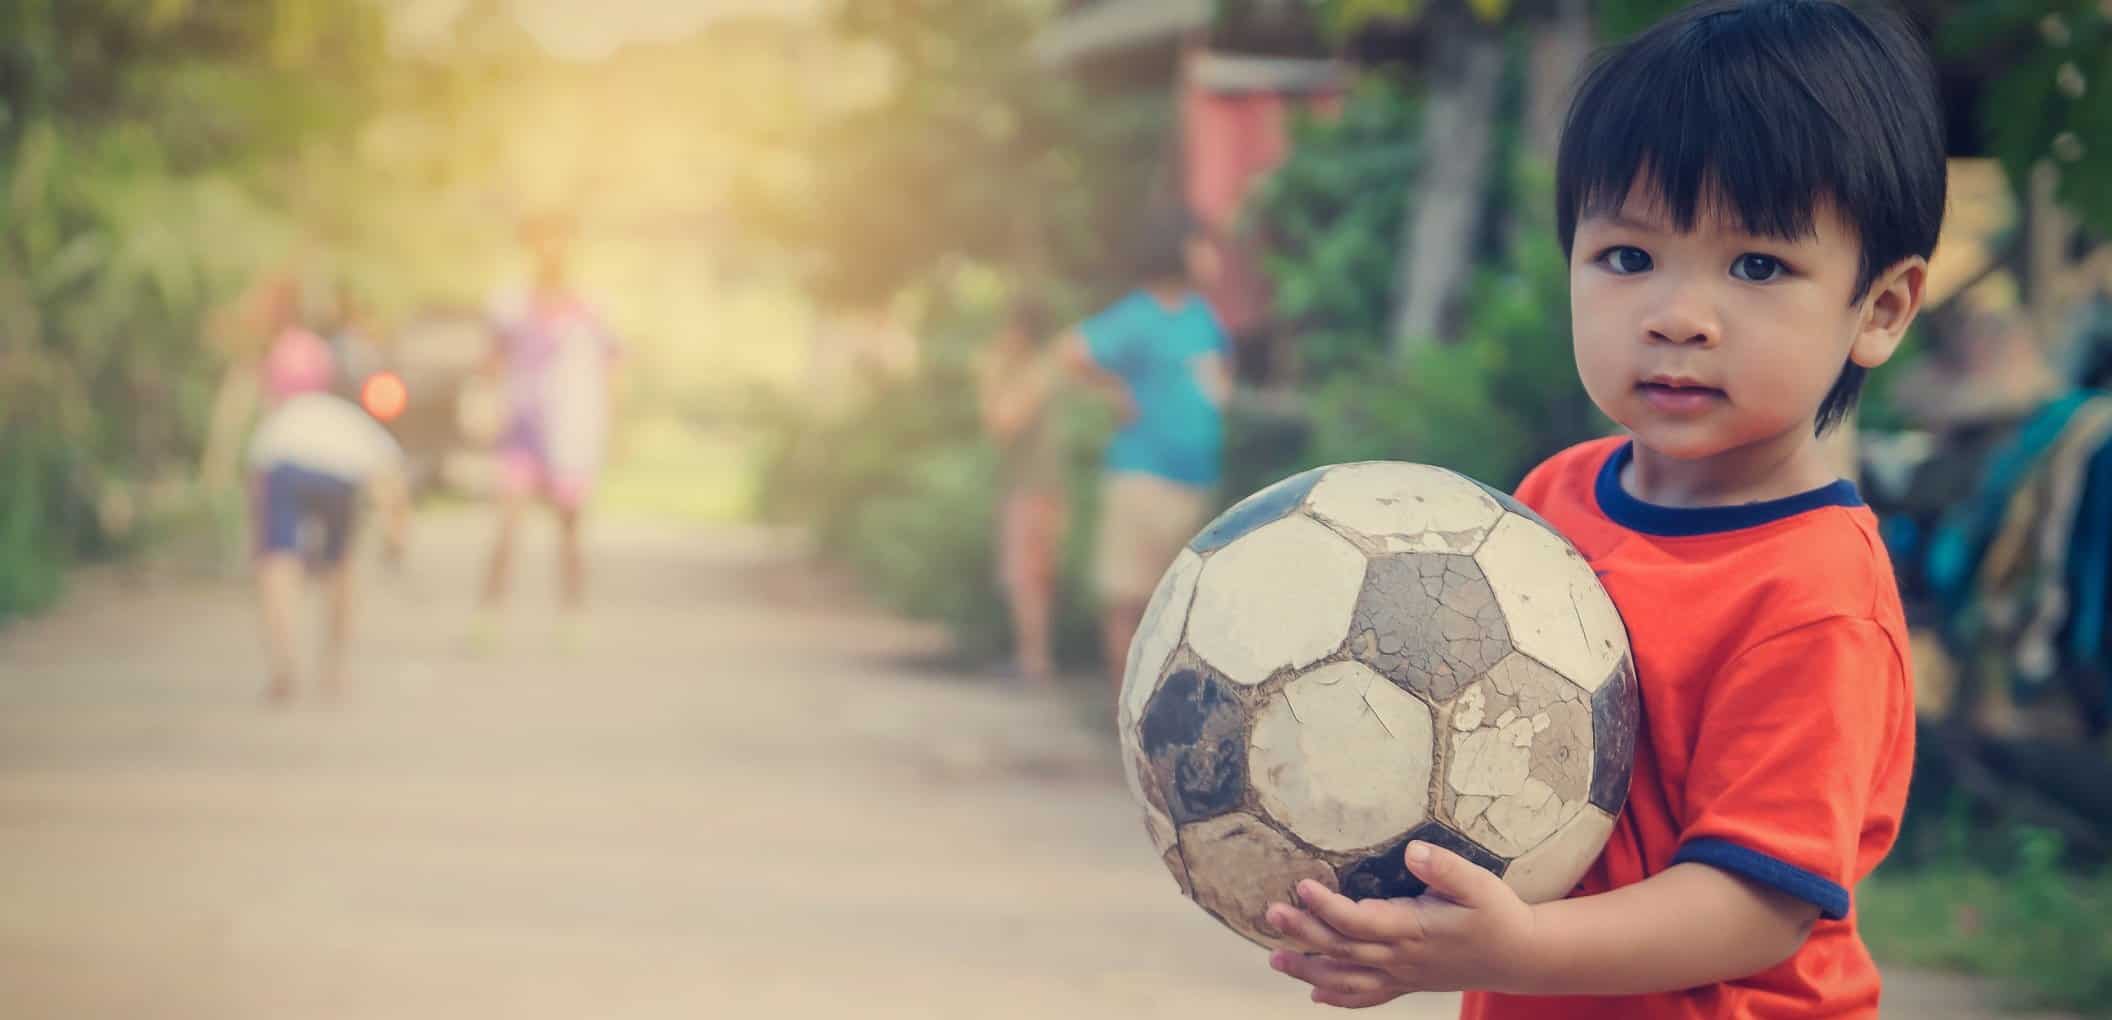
735	798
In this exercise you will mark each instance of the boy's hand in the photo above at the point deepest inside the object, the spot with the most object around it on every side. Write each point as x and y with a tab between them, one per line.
1469	930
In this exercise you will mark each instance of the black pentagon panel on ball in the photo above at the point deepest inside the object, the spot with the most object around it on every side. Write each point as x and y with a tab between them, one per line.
1385	875
1270	504
1616	715
1429	622
1194	734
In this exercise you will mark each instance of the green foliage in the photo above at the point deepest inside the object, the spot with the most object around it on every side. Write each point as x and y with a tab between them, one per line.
135	142
1620	19
1492	403
1330	218
2053	98
1490	406
1345	18
902	488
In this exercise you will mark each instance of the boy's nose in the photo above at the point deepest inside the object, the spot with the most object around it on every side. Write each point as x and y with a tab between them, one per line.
1686	320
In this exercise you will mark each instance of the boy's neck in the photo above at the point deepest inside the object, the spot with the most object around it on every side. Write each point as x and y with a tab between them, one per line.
1787	465
1170	293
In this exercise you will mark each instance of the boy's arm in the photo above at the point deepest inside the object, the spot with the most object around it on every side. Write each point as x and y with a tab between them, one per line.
1076	356
1686	926
1010	396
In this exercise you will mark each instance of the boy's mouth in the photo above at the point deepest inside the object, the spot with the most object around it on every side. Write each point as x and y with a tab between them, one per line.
1678	396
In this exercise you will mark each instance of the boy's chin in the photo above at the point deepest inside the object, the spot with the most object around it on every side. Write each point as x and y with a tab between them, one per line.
1679	442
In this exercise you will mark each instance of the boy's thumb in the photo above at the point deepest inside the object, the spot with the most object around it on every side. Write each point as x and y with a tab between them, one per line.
1448	874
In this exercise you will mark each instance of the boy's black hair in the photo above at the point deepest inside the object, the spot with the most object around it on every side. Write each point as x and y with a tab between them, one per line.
1771	107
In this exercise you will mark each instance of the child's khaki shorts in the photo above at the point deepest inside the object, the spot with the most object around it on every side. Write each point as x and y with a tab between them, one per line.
1144	522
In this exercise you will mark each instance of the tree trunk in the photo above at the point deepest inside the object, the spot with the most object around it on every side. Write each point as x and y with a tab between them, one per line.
1559	48
1435	254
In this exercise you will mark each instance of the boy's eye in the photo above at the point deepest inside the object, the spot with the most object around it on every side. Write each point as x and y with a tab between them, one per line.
1624	260
1756	268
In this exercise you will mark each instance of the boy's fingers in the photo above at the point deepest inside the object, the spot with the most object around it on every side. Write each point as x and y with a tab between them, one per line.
1449	875
1365	920
1308	933
1330	975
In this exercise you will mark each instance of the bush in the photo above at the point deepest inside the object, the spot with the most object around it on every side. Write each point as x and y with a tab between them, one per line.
1491	405
35	543
903	490
1330	220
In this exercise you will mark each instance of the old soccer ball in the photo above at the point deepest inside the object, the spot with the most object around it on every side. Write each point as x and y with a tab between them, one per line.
1364	655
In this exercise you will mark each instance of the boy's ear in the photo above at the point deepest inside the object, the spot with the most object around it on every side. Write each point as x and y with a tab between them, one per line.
1889	308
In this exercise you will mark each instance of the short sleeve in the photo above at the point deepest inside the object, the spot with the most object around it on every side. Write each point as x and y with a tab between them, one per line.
1795	737
1110	335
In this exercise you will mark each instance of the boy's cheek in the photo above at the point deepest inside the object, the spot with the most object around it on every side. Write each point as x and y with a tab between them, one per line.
1603	372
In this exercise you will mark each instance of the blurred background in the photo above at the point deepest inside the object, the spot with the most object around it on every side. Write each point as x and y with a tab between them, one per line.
810	222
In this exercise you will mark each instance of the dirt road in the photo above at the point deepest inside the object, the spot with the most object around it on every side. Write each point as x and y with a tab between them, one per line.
734	796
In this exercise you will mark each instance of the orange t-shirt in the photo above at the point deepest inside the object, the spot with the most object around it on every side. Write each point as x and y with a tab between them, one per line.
1777	718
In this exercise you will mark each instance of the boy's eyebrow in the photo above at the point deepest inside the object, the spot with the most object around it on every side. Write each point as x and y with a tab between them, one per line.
1620	218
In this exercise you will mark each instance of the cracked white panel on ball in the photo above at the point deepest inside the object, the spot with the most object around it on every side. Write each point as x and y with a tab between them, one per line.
1493	761
1280	596
1549	871
1159	633
1342	757
1410	507
1519	822
1555	608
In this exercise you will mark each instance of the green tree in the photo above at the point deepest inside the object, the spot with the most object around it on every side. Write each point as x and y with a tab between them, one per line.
137	146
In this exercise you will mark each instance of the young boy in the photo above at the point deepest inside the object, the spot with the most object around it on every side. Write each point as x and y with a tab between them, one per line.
1015	383
1159	353
310	459
558	362
1748	193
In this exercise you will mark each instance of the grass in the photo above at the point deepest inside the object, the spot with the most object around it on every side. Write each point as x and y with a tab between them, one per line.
2042	933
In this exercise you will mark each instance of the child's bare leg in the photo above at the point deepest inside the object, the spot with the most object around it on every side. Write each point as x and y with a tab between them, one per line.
499	569
1034	602
338	585
279	594
1031	602
571	560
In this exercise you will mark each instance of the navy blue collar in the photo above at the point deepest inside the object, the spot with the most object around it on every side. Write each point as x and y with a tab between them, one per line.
1680	522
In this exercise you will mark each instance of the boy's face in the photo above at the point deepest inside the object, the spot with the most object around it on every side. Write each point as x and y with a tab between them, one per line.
1715	340
1199	253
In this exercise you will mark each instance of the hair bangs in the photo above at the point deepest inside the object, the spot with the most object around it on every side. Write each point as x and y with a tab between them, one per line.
1710	121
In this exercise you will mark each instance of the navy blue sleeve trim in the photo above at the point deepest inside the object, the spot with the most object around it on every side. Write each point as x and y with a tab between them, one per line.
1831	899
